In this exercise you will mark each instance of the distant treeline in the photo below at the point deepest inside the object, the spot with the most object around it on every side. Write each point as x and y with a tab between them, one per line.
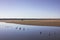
29	19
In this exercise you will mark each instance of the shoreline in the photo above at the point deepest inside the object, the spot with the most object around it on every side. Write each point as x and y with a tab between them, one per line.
35	22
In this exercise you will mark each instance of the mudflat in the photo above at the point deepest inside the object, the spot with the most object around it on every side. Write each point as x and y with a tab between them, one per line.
35	22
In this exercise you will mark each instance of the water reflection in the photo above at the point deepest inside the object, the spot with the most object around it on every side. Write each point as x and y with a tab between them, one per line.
9	31
16	27
49	34
54	33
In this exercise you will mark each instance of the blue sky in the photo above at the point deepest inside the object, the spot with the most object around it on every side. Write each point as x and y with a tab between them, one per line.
30	8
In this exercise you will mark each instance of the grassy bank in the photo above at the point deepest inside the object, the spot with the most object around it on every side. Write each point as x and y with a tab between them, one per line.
35	22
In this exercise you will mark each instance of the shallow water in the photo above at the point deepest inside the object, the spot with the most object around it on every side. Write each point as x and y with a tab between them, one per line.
10	31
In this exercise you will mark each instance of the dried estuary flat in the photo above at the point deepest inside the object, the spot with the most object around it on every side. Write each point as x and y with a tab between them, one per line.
35	22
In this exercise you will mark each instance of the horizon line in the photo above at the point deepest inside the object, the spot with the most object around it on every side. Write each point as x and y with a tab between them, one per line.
29	18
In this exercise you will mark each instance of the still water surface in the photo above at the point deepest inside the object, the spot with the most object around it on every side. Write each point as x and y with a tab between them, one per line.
10	31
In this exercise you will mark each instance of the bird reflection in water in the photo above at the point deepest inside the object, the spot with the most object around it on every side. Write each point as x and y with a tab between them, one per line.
54	33
49	34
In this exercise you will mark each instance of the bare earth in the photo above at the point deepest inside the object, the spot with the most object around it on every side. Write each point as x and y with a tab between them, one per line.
35	22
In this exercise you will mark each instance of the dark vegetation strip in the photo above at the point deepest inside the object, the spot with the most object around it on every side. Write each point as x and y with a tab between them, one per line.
26	19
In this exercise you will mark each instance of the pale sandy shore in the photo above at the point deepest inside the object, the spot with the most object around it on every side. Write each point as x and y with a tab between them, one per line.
35	22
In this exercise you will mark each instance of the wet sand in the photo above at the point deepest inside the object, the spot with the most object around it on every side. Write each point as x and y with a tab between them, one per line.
35	22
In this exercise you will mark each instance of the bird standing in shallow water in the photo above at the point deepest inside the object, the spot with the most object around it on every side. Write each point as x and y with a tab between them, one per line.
40	32
20	28
23	28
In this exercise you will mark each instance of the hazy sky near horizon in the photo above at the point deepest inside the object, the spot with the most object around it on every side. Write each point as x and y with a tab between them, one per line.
30	8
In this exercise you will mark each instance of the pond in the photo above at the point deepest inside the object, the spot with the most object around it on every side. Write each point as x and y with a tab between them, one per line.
10	31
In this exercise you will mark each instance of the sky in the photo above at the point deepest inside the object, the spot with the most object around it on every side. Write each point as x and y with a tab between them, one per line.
29	8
